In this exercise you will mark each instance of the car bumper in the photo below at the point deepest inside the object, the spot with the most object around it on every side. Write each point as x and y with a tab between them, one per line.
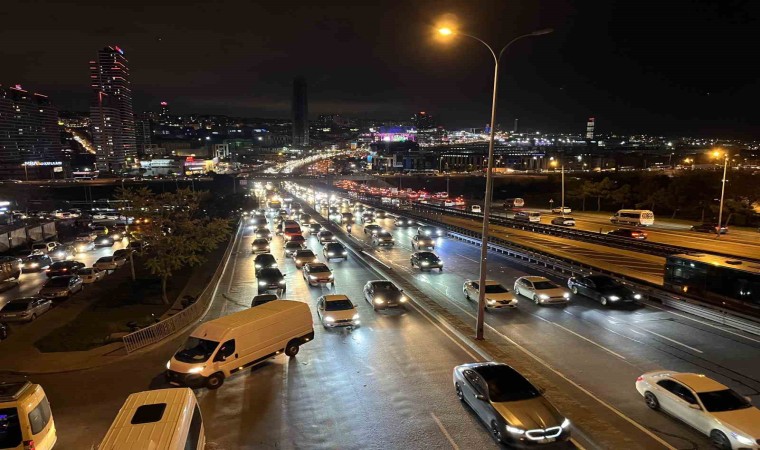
322	281
522	441
348	323
431	266
553	300
502	305
16	318
32	269
184	379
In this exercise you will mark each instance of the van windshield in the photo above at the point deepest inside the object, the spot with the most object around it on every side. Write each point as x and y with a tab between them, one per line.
196	350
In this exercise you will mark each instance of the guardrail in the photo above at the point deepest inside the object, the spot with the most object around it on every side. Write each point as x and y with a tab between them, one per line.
165	328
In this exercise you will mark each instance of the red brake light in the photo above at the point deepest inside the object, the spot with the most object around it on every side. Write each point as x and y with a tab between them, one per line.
639	378
29	445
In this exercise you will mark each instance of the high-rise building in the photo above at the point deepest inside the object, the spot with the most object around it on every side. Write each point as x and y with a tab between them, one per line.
30	137
111	115
300	113
423	121
143	133
164	114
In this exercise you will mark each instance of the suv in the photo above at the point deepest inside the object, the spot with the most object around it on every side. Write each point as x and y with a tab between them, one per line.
528	216
383	238
301	257
426	261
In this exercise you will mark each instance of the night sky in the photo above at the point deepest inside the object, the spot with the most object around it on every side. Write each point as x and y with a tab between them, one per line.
672	67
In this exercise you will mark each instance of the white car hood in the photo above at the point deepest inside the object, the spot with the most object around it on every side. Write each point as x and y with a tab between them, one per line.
744	421
340	315
556	292
503	296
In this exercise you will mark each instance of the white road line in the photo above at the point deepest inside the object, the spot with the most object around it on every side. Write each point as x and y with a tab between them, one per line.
673	340
589	341
577	444
445	433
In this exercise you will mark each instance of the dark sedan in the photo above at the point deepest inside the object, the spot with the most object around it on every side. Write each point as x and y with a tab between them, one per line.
61	287
264	261
64	268
35	263
511	407
382	294
334	250
604	289
709	228
426	261
271	279
628	233
403	222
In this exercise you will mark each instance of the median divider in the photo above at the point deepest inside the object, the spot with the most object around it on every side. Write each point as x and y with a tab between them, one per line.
178	322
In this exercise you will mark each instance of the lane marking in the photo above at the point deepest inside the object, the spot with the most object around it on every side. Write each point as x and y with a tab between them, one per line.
674	341
577	444
445	433
703	323
590	341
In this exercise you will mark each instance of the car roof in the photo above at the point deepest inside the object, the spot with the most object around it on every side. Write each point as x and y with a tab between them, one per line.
333	297
534	278
305	250
426	253
317	265
697	382
492	370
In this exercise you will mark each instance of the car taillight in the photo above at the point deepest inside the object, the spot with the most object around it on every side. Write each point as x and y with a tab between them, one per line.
29	445
639	378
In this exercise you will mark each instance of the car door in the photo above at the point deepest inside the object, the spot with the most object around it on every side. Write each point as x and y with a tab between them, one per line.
479	405
529	289
669	400
693	414
589	289
320	308
226	358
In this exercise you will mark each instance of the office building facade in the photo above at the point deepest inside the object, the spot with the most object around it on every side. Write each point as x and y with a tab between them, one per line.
300	113
111	114
30	137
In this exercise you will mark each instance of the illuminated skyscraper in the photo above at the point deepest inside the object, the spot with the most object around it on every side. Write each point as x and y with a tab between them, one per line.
300	113
113	122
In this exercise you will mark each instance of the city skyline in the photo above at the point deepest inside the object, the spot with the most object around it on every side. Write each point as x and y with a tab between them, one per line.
649	68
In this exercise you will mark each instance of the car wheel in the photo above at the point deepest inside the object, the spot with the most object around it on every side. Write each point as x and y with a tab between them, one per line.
467	296
575	290
34	317
291	349
215	381
496	432
603	300
440	269
536	300
460	394
719	440
651	401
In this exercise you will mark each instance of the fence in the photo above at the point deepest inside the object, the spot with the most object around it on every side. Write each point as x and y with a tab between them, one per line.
165	328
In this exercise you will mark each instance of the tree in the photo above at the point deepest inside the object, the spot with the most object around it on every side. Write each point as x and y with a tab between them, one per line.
622	195
178	233
581	191
602	190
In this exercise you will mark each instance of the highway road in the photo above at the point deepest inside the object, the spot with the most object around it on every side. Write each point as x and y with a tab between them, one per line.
385	384
601	349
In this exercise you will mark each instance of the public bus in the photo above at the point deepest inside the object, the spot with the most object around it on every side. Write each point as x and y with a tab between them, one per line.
728	283
635	217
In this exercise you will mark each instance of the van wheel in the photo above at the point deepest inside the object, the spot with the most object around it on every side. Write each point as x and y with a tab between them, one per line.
603	301
291	349
575	290
215	381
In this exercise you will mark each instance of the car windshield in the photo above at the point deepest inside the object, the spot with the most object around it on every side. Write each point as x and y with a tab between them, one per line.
338	305
86	271
293	244
726	400
57	282
384	234
428	255
304	254
495	289
604	282
540	285
270	273
385	286
106	259
506	385
16	306
334	247
260	242
318	268
265	259
196	350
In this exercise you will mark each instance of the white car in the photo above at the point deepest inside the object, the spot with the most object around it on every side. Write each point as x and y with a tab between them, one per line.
726	417
559	210
109	263
497	296
337	311
91	274
541	290
476	209
318	273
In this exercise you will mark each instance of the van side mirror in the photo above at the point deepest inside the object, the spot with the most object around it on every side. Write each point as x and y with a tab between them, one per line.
695	406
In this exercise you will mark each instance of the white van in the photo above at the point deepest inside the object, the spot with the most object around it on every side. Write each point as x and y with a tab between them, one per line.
635	217
220	347
166	419
475	209
528	216
26	420
514	203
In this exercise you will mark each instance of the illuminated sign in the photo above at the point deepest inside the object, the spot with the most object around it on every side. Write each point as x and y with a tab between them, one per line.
42	163
118	49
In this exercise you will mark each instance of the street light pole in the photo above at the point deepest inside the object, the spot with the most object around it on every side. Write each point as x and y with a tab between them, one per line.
562	169
722	193
479	325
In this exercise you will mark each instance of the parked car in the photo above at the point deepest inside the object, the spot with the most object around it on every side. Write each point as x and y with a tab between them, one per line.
628	233
336	310
429	230
64	268
63	252
317	273
25	309
35	263
541	290
61	286
44	248
426	261
382	294
514	410
108	263
496	295
564	221
403	222
262	299
325	236
260	245
303	256
709	228
419	242
264	261
91	275
713	409
271	279
333	250
383	239
606	290
123	253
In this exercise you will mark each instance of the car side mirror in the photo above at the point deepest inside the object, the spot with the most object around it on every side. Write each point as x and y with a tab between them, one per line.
695	406
749	399
480	397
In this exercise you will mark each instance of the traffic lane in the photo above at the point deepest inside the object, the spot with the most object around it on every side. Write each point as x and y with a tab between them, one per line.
601	357
379	382
30	283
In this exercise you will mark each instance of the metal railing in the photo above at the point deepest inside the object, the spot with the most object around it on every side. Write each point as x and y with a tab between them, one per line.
178	322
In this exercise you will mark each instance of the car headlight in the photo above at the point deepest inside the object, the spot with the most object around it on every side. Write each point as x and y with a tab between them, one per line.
34	265
491	302
330	254
425	263
262	283
312	277
298	261
168	364
742	439
637	296
543	296
329	319
379	300
515	430
356	317
565	423
345	253
567	295
614	298
402	299
196	369
258	266
282	281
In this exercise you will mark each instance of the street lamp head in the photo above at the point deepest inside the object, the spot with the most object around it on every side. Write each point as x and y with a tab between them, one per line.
716	153
445	31
543	31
